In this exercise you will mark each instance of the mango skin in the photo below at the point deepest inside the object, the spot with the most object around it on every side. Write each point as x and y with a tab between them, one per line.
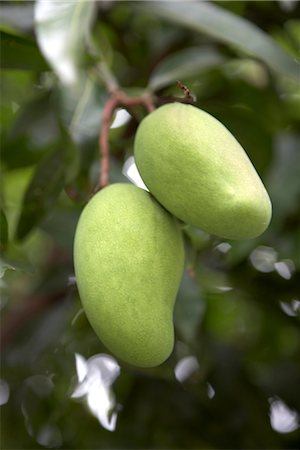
199	172
129	258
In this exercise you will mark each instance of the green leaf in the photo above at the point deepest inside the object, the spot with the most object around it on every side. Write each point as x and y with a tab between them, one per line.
62	29
58	168
71	156
3	229
284	172
61	225
15	183
241	122
229	28
189	308
183	64
18	52
81	107
63	32
34	129
42	192
15	87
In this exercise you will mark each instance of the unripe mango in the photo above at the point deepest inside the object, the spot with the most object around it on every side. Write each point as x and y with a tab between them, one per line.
199	172
128	257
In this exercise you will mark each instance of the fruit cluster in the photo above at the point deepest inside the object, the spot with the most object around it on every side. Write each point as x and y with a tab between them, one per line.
128	250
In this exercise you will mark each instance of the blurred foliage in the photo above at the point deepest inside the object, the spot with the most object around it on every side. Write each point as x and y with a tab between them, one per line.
237	312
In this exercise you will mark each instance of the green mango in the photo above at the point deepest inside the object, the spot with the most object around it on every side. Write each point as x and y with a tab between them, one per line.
199	172
128	258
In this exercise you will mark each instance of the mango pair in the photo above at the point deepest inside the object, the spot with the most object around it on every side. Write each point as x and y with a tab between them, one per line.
128	250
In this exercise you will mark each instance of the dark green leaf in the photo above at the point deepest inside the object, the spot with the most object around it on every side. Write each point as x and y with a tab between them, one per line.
15	87
35	118
283	181
61	225
189	308
227	27
3	229
34	129
183	64
55	170
72	156
42	192
241	122
18	52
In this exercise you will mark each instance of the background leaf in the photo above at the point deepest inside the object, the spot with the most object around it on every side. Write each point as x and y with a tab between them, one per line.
3	229
189	308
34	129
18	52
181	65
55	170
61	30
63	33
215	21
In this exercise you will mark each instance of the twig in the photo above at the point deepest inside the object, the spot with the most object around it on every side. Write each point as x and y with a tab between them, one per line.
117	98
149	103
186	91
108	110
171	98
120	98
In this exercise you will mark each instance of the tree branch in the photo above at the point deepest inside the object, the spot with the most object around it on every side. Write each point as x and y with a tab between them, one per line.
186	91
117	98
120	98
108	111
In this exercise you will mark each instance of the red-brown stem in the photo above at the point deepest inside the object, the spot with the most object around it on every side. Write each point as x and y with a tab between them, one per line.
149	103
116	99
186	91
108	110
120	98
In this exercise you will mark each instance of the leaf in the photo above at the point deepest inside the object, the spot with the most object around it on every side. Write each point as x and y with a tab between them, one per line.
54	171
15	183
61	225
72	156
42	192
62	29
183	64
18	52
34	129
227	27
81	108
241	122
3	230
284	172
189	308
15	87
